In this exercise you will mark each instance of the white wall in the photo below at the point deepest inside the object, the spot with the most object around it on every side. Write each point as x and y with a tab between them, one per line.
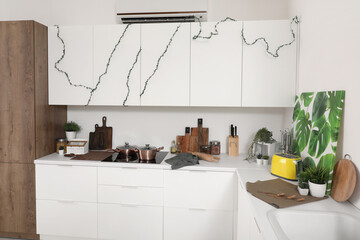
329	60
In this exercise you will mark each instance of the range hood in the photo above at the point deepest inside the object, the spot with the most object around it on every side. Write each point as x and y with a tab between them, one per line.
157	11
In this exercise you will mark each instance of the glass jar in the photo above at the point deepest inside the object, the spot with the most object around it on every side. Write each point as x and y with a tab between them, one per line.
215	147
60	142
205	149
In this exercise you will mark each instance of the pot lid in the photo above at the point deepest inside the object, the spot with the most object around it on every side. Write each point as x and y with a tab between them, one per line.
126	146
147	147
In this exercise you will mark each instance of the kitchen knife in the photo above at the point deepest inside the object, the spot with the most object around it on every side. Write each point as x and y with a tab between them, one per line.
200	124
235	130
232	130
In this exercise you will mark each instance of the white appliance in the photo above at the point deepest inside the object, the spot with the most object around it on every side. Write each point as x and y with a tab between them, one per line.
155	11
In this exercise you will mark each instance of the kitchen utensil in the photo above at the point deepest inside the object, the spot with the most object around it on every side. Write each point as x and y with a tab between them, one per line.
200	133
147	152
231	130
205	135
193	144
93	156
285	165
126	151
180	141
233	145
206	157
344	179
101	139
187	139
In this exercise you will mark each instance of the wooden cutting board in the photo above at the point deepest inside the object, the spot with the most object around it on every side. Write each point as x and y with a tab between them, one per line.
344	180
205	135
101	139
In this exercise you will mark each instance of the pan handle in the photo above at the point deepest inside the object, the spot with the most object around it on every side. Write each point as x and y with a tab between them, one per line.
160	148
96	125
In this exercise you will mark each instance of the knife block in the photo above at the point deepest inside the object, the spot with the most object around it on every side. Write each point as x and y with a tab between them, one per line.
233	146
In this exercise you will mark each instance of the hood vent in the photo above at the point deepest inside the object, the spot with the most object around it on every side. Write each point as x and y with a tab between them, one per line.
162	17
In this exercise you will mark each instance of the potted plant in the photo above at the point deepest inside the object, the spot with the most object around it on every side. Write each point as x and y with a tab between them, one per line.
265	159
262	136
303	185
71	128
318	178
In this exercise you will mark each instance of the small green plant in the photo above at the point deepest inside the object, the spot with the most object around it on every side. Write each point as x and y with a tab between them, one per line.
303	180
266	157
259	156
262	136
318	174
71	127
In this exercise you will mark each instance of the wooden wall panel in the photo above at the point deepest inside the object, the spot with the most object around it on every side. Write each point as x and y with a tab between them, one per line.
17	119
48	119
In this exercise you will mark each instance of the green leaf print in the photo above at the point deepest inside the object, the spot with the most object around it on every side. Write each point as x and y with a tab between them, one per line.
319	137
308	162
297	109
307	98
319	107
335	105
327	161
303	129
295	148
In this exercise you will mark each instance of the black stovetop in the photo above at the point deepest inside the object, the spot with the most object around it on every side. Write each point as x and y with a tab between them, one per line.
115	157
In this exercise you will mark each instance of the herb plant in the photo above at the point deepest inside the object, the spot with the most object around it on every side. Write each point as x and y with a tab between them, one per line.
71	127
303	180
318	175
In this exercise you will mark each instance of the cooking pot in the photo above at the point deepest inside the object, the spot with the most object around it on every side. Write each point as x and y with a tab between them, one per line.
148	153
126	150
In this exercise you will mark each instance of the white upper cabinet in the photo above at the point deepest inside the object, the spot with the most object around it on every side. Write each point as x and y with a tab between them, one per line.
117	64
216	65
269	81
165	47
70	64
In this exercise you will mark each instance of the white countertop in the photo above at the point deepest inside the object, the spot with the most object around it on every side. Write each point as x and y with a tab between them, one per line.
247	172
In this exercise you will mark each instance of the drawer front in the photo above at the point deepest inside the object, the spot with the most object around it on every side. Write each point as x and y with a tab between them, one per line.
199	189
130	222
130	195
197	224
66	183
131	177
73	219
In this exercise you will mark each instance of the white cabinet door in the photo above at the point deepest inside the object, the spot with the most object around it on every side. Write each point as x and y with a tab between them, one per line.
66	183
216	65
243	214
199	189
70	64
65	218
195	224
130	222
165	47
269	81
117	64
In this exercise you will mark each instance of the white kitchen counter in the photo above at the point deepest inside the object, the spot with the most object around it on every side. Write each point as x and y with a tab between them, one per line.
247	172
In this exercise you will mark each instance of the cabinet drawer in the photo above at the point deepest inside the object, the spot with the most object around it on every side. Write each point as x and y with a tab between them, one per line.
73	219
66	183
131	177
197	224
130	195
130	222
199	189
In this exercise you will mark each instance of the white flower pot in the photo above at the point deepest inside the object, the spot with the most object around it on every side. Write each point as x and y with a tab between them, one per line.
259	161
303	191
317	190
70	135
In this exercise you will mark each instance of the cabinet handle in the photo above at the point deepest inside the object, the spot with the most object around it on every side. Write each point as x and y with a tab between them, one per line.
128	186
129	205
197	209
257	225
65	201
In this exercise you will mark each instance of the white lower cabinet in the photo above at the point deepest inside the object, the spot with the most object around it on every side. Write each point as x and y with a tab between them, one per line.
66	218
130	222
197	224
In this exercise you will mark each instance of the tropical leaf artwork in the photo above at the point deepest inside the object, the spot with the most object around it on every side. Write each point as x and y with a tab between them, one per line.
316	126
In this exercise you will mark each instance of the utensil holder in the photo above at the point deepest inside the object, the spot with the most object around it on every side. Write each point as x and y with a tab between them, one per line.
233	146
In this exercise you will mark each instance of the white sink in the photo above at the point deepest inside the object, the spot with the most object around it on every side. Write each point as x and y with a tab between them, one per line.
292	224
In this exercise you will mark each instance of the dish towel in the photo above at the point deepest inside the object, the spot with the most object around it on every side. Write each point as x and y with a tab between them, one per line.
182	160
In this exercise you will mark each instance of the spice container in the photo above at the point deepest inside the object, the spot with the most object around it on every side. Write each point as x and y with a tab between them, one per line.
61	142
215	147
205	149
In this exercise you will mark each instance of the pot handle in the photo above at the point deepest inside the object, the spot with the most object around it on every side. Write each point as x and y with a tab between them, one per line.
160	148
134	149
